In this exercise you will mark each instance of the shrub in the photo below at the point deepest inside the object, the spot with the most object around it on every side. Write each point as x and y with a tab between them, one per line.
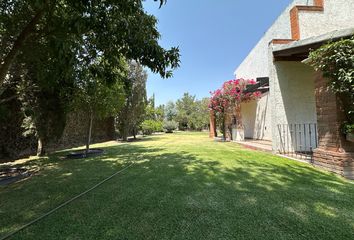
336	61
150	126
169	126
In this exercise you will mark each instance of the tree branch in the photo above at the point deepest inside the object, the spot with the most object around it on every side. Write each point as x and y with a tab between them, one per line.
2	101
26	32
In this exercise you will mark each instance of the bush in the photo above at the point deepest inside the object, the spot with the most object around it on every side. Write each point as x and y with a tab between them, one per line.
336	61
169	126
150	126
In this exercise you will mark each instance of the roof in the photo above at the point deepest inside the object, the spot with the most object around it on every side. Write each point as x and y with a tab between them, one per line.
298	50
262	86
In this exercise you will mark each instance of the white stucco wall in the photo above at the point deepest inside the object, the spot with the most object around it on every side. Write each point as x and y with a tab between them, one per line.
337	14
256	118
256	63
292	96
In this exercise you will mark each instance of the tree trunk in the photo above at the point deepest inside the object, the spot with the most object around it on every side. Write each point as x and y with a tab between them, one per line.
41	147
223	126
20	40
239	124
89	131
214	122
134	133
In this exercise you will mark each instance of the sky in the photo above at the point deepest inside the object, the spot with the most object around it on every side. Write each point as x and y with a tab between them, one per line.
214	36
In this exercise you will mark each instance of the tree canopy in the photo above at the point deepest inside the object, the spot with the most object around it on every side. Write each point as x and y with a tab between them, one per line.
112	28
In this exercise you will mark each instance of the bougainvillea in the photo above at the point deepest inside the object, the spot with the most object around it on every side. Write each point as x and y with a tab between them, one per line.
232	93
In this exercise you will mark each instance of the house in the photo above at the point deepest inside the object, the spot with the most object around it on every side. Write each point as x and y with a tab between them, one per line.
299	116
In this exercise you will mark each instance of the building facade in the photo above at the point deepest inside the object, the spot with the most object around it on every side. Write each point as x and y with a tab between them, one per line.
299	115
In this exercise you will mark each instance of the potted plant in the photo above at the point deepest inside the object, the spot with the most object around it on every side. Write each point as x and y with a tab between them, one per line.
348	130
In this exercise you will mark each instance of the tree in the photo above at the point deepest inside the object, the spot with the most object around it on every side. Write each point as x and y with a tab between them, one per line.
229	96
200	118
133	111
101	92
170	111
160	113
43	89
65	33
185	108
120	27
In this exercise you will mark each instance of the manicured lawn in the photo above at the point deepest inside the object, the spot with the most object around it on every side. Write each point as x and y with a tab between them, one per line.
183	186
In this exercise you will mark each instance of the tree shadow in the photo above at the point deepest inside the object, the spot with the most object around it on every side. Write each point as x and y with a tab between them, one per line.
176	194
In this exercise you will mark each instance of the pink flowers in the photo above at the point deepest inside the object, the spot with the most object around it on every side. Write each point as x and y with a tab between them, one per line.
232	93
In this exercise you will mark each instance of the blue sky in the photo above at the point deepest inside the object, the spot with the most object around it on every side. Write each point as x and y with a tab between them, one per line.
214	36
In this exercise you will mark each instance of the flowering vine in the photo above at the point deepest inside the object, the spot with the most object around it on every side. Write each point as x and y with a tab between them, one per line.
232	94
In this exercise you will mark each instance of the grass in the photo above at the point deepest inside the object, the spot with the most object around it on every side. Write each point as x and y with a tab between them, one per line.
183	186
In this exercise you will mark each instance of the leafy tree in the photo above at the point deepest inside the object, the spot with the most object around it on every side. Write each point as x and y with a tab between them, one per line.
119	27
185	108
63	34
160	113
200	118
133	111
44	84
101	91
170	111
150	126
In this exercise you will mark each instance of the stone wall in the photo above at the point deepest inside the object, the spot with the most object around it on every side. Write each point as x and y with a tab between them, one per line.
334	152
14	145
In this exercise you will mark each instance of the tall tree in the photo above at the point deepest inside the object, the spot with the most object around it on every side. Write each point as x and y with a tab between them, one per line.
56	31
101	92
185	108
133	111
170	111
199	119
119	24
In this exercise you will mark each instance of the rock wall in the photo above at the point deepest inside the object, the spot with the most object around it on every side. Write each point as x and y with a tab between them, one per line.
14	145
334	152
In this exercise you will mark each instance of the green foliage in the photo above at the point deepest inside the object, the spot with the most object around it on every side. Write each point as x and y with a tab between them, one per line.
170	126
348	128
113	28
160	113
336	61
170	111
185	108
192	114
133	112
58	48
150	126
100	88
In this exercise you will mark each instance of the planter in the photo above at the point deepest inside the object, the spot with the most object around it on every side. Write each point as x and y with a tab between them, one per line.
81	153
350	137
238	134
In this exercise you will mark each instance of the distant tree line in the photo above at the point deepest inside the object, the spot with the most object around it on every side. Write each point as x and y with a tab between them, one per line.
187	113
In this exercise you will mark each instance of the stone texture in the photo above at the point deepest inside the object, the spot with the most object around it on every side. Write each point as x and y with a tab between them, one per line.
334	152
14	145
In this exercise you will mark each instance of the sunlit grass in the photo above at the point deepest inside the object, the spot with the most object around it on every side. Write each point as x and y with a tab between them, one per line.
182	186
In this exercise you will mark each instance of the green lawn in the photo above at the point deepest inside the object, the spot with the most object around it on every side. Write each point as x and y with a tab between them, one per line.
182	186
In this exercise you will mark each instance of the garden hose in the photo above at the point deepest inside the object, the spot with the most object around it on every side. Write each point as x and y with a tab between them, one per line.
65	203
69	201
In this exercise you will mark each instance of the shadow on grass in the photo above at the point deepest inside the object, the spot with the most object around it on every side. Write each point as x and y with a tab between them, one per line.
179	195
